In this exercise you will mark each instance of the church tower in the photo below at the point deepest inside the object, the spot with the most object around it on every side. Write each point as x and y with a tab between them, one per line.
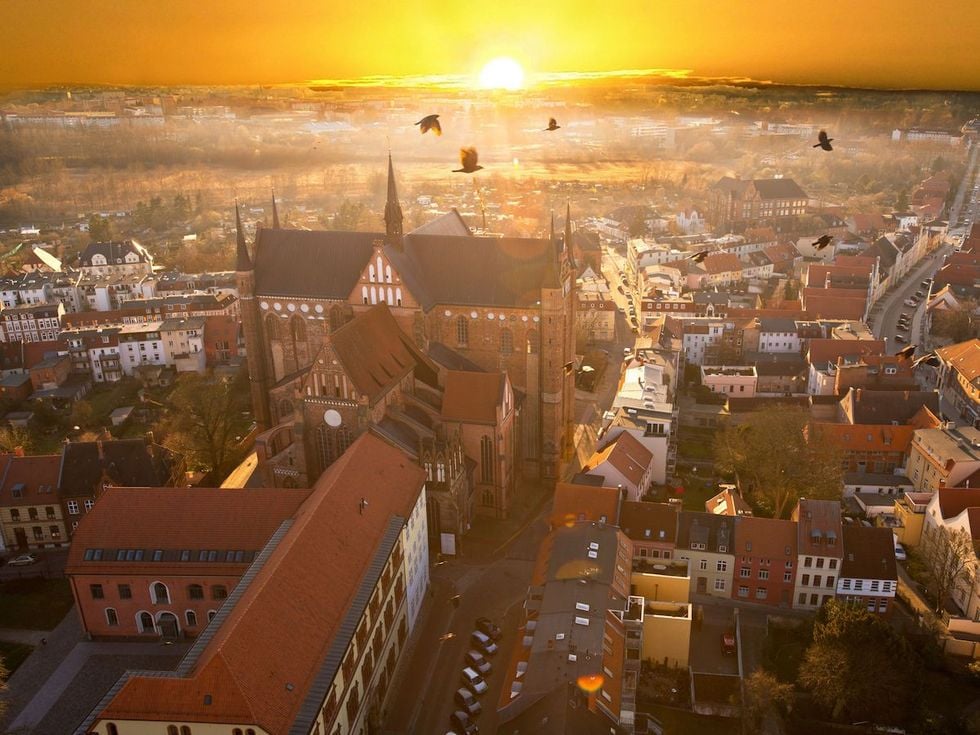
275	212
393	211
251	328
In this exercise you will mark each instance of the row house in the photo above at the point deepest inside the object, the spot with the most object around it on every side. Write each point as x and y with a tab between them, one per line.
943	457
765	551
959	379
176	284
31	516
869	574
819	543
109	292
779	336
595	319
641	253
823	354
706	542
624	462
699	338
183	344
738	380
141	344
718	269
158	309
869	448
32	322
95	352
334	648
40	288
956	510
114	258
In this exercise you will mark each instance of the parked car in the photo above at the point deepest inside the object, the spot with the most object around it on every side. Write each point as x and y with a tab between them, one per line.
466	700
920	293
488	627
23	560
899	338
462	724
900	554
475	660
728	646
925	283
483	643
474	682
911	302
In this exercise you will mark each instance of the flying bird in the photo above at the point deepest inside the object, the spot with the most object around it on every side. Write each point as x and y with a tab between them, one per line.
467	159
552	124
906	353
430	122
824	141
930	358
699	257
823	241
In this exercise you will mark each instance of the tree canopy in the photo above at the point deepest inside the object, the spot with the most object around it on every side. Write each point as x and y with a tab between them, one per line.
858	666
774	463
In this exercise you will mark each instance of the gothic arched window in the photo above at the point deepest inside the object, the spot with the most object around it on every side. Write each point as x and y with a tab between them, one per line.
272	327
506	342
533	342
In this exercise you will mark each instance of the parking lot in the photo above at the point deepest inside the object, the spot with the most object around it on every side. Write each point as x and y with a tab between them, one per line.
706	650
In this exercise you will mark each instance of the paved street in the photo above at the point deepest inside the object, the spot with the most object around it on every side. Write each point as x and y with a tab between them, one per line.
892	305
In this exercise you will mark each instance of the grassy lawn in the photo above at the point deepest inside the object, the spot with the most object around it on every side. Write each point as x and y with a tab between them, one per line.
13	654
106	398
34	604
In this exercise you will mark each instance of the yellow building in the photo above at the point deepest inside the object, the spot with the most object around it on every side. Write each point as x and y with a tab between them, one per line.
910	512
30	511
660	604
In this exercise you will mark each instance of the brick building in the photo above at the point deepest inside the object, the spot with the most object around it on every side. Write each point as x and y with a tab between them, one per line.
30	514
765	552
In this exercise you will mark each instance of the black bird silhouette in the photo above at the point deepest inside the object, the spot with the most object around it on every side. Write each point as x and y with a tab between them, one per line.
552	124
928	359
906	353
430	122
699	257
467	159
823	241
824	141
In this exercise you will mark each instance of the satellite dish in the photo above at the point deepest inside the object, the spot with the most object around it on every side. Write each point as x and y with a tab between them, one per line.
332	418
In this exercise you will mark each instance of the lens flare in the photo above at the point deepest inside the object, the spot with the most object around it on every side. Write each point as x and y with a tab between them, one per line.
590	682
502	73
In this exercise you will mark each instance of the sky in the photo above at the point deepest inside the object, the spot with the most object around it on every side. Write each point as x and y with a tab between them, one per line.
866	43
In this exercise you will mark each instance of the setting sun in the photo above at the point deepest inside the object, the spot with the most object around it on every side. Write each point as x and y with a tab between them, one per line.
502	73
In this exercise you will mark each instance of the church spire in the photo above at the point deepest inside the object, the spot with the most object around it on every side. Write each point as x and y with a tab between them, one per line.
275	212
244	262
569	250
393	210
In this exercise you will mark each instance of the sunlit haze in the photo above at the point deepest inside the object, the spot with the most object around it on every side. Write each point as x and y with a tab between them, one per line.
869	43
502	73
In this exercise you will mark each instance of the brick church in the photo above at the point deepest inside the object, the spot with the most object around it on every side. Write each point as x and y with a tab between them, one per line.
421	337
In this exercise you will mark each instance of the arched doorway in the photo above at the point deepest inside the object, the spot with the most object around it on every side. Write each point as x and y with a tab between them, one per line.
167	625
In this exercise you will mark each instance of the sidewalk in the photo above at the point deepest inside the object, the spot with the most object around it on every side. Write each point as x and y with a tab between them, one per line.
27	637
488	536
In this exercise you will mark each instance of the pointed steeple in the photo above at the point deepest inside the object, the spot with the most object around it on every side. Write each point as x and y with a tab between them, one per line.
243	262
393	210
275	212
569	252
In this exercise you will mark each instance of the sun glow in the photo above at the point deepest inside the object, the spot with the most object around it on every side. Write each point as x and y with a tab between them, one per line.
502	73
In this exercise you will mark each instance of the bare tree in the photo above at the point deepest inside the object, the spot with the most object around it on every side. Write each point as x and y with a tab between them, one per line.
950	559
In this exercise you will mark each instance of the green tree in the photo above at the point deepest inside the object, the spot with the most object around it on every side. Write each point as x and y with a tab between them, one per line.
181	208
206	420
82	414
858	666
939	164
775	464
765	696
349	216
99	229
957	325
949	556
12	437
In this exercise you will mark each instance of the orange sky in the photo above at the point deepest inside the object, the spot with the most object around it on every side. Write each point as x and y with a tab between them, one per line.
886	43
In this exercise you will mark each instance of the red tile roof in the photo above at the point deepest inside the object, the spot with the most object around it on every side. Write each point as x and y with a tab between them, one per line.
765	537
722	263
575	503
954	500
642	521
868	437
473	397
627	455
179	518
834	303
375	352
828	350
964	358
32	474
282	627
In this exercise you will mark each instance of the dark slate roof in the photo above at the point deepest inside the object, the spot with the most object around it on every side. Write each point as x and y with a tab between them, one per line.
884	249
475	271
779	189
436	269
113	251
449	358
887	406
321	265
705	528
869	553
123	462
